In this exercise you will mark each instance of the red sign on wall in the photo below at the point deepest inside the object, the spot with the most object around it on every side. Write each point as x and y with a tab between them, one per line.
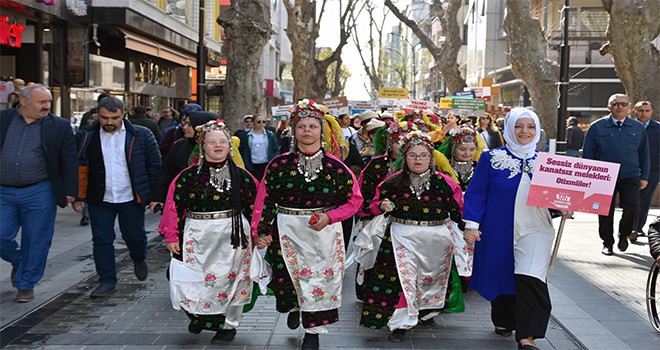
10	33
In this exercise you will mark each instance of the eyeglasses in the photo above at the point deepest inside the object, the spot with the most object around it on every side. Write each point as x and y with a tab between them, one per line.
412	156
216	142
260	122
619	104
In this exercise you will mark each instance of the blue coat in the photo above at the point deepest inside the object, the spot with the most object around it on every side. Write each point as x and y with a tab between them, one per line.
490	200
59	145
628	147
142	157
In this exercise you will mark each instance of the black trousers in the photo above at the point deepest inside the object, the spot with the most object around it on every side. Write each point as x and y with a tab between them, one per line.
628	190
259	170
528	311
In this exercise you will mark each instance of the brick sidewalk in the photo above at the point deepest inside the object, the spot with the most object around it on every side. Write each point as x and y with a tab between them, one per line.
138	315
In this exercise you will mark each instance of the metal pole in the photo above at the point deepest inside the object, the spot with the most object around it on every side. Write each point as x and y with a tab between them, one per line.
564	78
201	60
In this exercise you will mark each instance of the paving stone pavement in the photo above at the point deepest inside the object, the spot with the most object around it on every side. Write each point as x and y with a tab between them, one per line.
598	303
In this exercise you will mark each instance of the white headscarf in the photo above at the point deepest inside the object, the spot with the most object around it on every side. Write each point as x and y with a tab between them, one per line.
512	144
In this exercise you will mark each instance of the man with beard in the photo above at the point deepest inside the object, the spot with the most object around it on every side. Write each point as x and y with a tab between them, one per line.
118	165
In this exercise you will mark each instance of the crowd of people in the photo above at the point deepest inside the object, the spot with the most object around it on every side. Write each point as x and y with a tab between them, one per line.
430	205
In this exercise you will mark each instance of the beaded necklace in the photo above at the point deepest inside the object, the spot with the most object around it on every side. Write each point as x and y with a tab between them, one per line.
310	166
420	183
220	178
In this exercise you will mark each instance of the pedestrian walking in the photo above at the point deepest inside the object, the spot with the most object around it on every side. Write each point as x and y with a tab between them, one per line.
118	165
38	161
412	273
169	117
488	132
574	137
643	111
207	229
513	240
141	118
305	195
175	133
618	139
258	147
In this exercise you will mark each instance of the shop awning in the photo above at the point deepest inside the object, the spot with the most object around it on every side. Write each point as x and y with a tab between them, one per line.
142	44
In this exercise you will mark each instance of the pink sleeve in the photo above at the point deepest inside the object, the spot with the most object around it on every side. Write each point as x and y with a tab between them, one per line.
169	221
458	193
375	203
258	206
351	207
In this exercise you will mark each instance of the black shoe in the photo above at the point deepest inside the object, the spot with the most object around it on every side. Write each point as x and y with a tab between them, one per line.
223	335
195	328
504	332
428	323
293	320
623	243
527	347
141	270
607	251
397	336
633	236
102	290
310	341
12	275
84	221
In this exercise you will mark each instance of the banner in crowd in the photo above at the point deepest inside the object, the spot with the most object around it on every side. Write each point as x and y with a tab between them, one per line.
463	106
569	183
280	111
336	105
393	97
362	106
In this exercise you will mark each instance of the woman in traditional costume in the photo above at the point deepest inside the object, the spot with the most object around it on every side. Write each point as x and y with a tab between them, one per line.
305	195
463	149
513	240
206	227
413	267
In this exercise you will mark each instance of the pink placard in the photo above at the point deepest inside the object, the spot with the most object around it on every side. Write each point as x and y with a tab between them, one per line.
569	183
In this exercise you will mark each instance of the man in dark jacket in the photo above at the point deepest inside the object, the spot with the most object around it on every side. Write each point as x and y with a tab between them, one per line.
574	138
644	113
38	162
118	166
141	118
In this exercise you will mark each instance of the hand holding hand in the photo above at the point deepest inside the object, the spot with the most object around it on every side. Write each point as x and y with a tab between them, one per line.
153	206
471	236
263	242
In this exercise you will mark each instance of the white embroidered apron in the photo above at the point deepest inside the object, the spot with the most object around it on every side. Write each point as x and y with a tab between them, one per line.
213	275
423	257
315	260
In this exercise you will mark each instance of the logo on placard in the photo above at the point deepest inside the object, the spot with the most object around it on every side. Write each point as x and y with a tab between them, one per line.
596	205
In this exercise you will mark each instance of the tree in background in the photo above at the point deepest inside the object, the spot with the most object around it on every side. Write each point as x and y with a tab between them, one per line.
530	63
309	73
633	25
336	79
374	63
247	29
446	55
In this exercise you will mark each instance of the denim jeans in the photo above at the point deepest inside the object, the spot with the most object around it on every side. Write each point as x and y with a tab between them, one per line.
33	210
